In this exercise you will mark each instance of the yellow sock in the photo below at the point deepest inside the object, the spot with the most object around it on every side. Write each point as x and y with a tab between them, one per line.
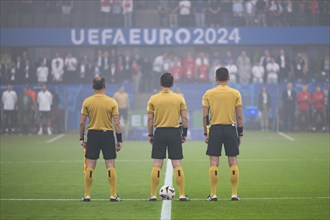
154	179
88	180
85	161
213	172
234	176
112	177
179	178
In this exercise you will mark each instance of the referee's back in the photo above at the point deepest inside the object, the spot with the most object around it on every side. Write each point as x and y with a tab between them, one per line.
222	101
166	107
100	109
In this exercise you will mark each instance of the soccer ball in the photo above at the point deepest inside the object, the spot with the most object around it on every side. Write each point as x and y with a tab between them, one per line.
167	192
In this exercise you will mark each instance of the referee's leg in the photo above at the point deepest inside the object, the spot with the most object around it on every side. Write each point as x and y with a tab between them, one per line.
179	177
213	175
88	180
155	176
112	177
234	175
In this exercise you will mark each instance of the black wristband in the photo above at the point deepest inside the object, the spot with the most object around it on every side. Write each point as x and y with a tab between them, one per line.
119	137
205	134
184	132
240	131
150	135
81	139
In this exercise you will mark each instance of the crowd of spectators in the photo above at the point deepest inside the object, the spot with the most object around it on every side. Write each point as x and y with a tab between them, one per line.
303	110
144	73
35	110
168	13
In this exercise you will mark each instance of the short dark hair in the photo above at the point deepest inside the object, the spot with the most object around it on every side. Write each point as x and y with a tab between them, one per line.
166	80
98	83
222	74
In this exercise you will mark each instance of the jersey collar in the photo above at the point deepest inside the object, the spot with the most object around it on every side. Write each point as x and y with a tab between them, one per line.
166	90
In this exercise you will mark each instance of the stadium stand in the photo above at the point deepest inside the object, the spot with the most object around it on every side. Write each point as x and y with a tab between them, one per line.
54	15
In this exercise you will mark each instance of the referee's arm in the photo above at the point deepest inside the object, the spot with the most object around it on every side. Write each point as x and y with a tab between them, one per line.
82	129
150	126
184	118
239	121
116	122
205	119
239	116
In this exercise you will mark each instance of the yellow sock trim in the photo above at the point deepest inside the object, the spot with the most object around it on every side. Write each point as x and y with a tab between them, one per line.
213	173
179	178
154	180
234	177
88	180
112	178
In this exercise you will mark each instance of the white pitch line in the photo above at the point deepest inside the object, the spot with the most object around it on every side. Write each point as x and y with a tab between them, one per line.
167	204
192	199
143	161
54	139
286	136
63	161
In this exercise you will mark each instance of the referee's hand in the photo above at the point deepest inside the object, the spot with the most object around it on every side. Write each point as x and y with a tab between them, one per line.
151	140
83	143
206	139
118	146
183	139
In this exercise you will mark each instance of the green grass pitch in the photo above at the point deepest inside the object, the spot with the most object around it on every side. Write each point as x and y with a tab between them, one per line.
279	179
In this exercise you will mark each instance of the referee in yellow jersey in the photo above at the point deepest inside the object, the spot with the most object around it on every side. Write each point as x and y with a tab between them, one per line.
222	105
101	110
164	111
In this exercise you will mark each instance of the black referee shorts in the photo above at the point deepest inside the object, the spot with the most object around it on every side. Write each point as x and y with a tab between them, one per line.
170	139
100	140
222	134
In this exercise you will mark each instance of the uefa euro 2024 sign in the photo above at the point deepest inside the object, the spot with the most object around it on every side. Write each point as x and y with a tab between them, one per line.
164	36
154	36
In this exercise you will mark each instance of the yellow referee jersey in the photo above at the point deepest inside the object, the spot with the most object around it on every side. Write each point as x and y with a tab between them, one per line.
100	109
222	101
166	107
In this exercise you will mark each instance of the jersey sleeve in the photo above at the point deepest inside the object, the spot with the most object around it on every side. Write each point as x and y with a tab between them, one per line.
183	106
205	101
150	107
84	109
115	110
238	100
